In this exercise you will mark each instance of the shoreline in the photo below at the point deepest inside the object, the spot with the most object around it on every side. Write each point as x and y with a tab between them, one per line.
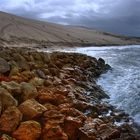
55	95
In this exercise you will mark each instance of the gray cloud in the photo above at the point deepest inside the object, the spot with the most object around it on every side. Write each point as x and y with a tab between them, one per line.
119	16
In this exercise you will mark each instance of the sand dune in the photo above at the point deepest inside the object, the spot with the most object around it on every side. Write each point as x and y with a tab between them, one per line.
16	30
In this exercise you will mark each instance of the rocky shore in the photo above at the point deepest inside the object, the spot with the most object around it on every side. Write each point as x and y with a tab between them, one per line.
54	96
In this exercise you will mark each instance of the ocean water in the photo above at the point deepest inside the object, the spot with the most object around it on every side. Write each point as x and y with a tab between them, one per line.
122	83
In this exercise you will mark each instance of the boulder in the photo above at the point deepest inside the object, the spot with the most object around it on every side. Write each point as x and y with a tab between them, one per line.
53	132
73	113
36	81
7	99
53	117
21	61
12	86
10	119
71	126
29	130
4	66
28	91
31	109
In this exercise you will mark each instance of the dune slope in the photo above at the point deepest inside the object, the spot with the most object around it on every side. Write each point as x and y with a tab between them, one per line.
16	30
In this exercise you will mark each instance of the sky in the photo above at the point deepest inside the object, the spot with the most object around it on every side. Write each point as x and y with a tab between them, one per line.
116	16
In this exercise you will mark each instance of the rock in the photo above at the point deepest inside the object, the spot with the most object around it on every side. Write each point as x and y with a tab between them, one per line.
50	106
7	99
29	130
53	117
53	132
88	131
27	75
6	137
12	87
95	128
15	70
71	126
0	106
81	105
4	66
73	113
49	97
41	74
53	71
28	91
101	61
31	109
48	83
10	119
37	81
21	61
108	132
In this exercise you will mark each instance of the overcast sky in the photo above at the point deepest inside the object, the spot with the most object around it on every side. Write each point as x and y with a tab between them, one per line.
117	16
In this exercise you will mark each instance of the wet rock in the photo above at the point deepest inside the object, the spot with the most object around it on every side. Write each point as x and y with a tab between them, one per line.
31	109
12	86
10	119
29	130
4	66
101	61
7	99
28	91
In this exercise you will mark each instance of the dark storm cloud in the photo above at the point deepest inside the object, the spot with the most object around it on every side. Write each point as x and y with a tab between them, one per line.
117	16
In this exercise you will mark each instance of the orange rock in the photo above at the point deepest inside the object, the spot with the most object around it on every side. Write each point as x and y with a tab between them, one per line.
65	105
74	113
71	126
50	106
31	109
53	132
29	130
53	117
10	119
49	97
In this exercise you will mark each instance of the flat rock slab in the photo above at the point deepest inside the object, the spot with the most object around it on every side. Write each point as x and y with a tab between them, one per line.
4	66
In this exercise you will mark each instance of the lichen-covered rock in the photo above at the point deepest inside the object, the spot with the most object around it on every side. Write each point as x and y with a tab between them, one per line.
7	99
10	119
28	91
29	130
4	66
12	86
21	61
36	81
31	109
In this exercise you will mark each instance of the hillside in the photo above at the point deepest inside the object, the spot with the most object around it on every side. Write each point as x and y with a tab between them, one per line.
16	30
